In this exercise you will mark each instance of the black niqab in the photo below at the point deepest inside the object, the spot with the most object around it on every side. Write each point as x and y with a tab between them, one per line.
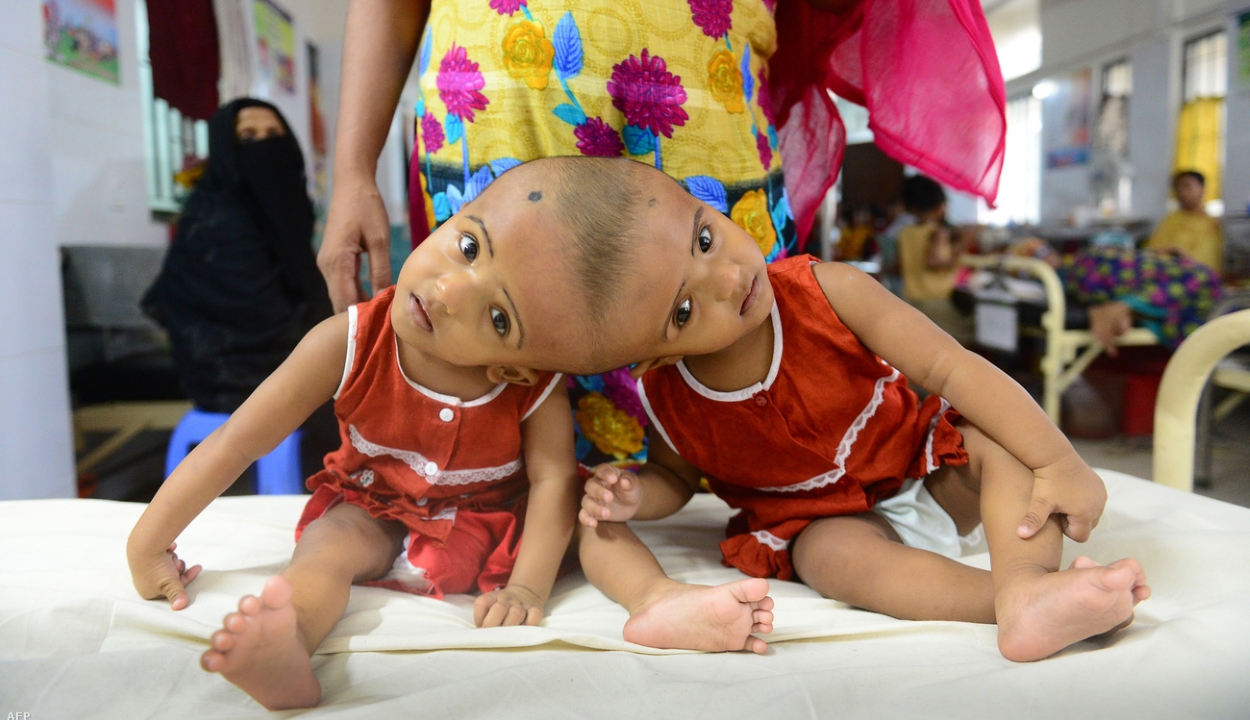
240	284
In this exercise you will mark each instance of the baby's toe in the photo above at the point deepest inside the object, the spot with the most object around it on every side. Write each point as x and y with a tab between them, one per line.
222	641
212	661
1084	563
235	623
249	605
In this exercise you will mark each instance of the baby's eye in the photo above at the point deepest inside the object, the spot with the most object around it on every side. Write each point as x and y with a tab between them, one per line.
468	246
683	313
500	320
705	240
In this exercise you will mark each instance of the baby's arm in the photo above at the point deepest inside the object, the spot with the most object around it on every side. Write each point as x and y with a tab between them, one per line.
283	401
660	488
549	518
982	393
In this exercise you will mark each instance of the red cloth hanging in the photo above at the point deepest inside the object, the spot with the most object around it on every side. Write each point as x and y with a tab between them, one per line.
926	70
186	59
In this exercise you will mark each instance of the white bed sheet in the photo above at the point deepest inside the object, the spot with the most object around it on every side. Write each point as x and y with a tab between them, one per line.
76	641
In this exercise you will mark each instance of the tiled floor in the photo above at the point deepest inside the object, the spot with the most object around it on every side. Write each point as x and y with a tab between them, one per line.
1230	478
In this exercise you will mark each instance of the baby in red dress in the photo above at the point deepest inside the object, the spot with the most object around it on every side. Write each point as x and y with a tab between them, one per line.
456	471
787	387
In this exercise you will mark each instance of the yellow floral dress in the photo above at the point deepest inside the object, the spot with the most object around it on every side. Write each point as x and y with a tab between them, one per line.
681	84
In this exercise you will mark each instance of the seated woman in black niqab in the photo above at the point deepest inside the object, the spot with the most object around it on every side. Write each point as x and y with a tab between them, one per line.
240	285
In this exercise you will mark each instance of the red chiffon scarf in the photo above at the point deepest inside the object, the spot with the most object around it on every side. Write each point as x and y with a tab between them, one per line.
925	69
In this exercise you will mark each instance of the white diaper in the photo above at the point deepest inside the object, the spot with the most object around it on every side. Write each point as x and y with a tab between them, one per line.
921	523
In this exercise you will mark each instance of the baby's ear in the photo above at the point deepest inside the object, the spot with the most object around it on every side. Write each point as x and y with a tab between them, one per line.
640	369
511	374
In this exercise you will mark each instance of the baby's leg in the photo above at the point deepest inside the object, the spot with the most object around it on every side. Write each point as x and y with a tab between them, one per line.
665	613
859	560
266	647
1041	610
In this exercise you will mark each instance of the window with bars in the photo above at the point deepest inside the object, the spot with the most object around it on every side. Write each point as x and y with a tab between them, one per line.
1206	67
1200	126
1112	176
173	143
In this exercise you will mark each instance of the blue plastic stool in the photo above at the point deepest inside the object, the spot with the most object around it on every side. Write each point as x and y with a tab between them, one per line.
277	473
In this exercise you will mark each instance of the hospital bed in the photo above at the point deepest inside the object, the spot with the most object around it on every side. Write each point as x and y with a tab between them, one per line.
1068	351
76	641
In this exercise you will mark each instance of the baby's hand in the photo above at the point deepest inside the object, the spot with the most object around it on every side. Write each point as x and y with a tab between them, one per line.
612	495
164	575
508	606
1069	489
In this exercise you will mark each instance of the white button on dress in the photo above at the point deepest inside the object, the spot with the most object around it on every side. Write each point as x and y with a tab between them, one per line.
446	415
431	468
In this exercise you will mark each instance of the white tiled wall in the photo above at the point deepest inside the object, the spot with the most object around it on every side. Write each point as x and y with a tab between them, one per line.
1080	34
36	452
98	183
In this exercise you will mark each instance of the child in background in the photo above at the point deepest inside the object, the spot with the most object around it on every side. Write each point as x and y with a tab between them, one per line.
1189	231
855	235
927	252
429	492
787	387
897	219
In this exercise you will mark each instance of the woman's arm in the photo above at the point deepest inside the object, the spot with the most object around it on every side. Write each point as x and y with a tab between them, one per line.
283	401
379	45
981	392
549	517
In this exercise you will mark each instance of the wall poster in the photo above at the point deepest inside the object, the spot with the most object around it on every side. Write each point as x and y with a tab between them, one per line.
275	46
82	34
1243	53
1067	137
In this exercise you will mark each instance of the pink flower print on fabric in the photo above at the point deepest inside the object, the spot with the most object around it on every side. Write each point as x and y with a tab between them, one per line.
459	84
595	137
766	152
507	7
712	16
648	94
764	96
622	390
431	133
771	5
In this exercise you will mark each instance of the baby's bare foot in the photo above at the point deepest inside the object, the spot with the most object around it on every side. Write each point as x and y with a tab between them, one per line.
259	650
698	617
1041	616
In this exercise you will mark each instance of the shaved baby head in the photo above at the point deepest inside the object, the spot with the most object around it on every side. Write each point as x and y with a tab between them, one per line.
599	202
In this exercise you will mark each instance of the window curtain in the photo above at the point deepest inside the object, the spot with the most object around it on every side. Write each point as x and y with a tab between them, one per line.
1199	138
182	46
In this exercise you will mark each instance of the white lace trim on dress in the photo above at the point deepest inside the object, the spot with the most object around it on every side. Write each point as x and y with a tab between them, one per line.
930	465
766	538
428	469
848	441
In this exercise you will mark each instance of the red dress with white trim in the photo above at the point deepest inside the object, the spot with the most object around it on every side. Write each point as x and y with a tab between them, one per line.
832	430
450	470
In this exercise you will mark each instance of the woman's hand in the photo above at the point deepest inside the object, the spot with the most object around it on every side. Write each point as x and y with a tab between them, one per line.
163	575
357	223
1108	321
